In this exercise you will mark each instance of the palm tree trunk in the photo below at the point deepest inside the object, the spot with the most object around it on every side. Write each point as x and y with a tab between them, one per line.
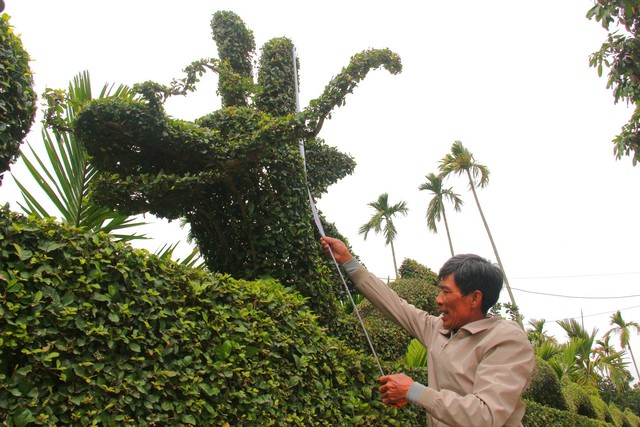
446	226
393	253
493	245
634	362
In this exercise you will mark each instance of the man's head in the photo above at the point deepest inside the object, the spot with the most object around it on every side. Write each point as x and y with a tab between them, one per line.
469	286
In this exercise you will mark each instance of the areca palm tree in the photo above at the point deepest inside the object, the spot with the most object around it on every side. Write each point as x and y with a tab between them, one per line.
460	161
624	329
436	210
615	370
589	361
65	174
382	221
537	335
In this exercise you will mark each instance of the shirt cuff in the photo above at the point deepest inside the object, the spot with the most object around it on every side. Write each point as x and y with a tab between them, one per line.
351	266
416	389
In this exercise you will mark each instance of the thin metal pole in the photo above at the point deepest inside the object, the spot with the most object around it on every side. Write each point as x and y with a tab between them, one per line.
316	218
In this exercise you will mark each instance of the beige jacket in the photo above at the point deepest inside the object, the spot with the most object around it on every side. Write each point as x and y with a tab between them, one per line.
476	376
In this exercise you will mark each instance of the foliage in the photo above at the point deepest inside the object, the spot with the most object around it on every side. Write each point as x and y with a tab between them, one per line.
545	387
411	269
17	97
416	356
382	222
626	398
542	416
585	363
632	417
389	339
236	175
578	398
94	331
235	47
624	329
537	336
66	174
436	209
621	54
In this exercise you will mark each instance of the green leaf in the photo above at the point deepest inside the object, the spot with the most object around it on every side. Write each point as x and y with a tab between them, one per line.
22	417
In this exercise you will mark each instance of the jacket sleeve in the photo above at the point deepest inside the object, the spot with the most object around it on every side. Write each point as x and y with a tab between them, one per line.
502	375
417	323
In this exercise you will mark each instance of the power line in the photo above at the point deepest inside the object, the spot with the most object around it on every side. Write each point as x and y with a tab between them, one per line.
576	276
591	315
573	296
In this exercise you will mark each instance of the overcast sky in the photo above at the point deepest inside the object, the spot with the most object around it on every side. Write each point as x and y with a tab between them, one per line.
509	79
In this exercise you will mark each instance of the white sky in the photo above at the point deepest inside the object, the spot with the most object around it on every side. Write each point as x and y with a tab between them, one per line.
508	79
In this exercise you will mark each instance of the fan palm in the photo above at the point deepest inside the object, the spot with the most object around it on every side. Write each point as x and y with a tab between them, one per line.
624	329
382	221
65	174
460	161
436	210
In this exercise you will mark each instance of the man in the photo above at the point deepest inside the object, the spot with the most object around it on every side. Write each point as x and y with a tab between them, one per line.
478	366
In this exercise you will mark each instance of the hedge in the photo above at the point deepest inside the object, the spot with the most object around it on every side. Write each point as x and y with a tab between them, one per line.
96	332
17	97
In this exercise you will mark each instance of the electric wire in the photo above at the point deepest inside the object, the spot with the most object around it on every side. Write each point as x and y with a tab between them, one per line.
591	315
574	296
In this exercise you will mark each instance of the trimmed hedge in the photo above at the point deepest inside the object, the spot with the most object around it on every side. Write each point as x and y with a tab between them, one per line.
17	97
96	332
545	387
542	416
390	340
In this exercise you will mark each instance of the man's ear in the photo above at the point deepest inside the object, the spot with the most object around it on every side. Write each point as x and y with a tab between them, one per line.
476	298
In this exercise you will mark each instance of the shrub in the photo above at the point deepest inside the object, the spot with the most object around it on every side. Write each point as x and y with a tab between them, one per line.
390	340
410	269
17	104
93	331
545	387
538	415
631	418
578	399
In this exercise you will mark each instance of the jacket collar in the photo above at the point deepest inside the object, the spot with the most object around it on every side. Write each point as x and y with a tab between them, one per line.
474	327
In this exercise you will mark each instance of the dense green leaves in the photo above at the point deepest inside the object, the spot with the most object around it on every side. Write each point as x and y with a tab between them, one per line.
621	54
17	100
93	331
66	174
236	174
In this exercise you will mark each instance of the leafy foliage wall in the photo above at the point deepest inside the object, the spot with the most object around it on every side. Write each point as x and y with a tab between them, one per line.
17	97
236	175
95	331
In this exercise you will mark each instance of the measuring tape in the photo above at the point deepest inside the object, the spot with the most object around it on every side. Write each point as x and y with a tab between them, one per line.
316	219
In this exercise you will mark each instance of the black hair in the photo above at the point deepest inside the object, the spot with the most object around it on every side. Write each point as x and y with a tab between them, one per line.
474	273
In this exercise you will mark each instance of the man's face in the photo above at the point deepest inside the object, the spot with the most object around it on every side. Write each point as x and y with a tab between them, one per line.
457	310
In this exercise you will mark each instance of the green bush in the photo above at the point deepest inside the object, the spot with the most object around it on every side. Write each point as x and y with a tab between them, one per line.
410	269
96	332
545	387
17	98
632	419
618	417
538	415
389	339
578	399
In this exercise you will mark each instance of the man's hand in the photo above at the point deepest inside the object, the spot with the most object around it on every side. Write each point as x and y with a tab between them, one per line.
394	389
338	248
